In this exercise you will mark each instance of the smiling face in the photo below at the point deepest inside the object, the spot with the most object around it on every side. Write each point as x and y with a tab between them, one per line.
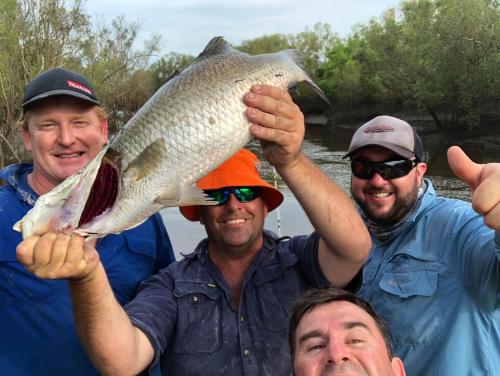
235	228
385	201
63	135
340	338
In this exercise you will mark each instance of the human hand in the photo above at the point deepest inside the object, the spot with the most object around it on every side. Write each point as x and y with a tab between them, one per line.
483	181
277	122
59	256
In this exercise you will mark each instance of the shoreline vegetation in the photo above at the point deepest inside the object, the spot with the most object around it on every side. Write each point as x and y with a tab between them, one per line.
434	63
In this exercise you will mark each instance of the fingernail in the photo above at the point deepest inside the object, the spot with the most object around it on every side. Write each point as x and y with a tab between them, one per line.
257	87
251	96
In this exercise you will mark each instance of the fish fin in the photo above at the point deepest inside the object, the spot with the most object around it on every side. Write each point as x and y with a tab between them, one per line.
148	161
195	196
297	59
217	46
306	86
187	196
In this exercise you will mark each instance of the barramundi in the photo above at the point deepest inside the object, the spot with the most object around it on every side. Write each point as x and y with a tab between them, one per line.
192	124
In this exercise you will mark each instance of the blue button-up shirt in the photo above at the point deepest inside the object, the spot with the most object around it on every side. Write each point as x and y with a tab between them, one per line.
186	311
436	282
37	331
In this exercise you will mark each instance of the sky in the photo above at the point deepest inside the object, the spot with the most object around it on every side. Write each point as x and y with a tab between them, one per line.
186	26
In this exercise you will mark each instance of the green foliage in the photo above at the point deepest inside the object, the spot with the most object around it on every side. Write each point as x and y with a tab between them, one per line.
313	45
265	44
440	55
168	66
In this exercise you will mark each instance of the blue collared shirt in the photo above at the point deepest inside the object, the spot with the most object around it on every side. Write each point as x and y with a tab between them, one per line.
186	311
37	332
436	282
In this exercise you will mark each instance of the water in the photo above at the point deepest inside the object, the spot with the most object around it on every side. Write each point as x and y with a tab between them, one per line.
326	146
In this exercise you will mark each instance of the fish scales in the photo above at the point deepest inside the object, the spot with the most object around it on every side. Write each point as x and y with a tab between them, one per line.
192	124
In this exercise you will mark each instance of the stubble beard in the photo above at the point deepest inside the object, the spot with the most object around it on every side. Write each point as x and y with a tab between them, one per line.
398	210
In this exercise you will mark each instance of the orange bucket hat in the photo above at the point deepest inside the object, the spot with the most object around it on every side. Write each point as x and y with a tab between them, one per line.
241	170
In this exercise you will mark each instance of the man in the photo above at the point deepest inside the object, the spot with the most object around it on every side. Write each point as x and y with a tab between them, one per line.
434	270
334	332
64	128
224	309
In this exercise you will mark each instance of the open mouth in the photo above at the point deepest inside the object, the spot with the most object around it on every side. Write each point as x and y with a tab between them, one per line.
380	194
72	155
103	193
235	221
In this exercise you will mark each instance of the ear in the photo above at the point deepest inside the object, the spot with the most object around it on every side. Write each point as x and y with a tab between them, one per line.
398	368
104	130
26	138
421	168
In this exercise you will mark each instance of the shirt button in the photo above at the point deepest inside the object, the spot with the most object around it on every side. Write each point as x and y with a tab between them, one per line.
246	352
195	299
242	319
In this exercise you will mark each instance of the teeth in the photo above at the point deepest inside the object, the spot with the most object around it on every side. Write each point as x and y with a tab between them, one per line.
74	155
235	221
381	194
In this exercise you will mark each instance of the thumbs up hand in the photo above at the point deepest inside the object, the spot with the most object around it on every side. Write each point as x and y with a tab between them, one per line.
483	181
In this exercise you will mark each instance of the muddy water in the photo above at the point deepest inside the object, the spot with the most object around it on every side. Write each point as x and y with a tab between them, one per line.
326	146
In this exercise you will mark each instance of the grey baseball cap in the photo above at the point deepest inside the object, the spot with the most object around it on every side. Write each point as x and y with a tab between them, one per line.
389	132
58	81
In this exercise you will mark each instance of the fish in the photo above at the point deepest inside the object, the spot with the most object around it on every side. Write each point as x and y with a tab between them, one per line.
193	123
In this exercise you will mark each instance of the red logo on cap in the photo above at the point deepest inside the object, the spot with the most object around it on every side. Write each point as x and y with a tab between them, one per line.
379	129
78	86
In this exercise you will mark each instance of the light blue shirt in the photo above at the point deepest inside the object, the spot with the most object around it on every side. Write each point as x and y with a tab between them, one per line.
436	283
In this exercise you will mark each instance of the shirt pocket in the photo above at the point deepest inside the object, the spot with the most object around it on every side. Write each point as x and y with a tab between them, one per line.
199	318
276	291
410	303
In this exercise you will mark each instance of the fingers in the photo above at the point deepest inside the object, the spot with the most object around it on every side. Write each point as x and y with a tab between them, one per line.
273	114
57	256
464	168
24	251
483	180
492	218
486	197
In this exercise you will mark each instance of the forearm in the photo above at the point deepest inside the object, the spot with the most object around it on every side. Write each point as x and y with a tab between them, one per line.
115	346
345	241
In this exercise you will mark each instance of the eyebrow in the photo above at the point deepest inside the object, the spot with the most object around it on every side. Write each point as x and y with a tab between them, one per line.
317	333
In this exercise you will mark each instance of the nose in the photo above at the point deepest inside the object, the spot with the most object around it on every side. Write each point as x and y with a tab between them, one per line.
233	202
377	180
66	136
337	353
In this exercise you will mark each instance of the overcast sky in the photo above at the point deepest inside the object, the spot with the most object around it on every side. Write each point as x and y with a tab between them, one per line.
187	25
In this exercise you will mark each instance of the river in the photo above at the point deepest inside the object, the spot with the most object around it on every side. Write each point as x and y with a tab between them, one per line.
326	146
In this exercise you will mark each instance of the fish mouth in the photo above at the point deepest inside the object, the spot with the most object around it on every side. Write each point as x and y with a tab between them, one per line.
102	194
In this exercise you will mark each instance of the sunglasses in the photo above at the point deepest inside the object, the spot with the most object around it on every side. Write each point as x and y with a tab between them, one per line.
243	194
388	170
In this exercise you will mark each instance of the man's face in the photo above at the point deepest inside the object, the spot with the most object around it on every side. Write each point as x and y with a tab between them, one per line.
340	338
385	201
63	134
235	226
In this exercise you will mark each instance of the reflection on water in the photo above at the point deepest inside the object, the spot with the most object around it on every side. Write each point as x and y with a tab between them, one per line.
326	147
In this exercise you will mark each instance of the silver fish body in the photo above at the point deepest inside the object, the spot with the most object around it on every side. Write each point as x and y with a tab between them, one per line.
192	124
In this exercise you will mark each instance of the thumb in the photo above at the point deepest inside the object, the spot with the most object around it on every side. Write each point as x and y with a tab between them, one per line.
464	168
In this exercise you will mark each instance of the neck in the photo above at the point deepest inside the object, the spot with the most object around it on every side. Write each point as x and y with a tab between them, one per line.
39	184
234	265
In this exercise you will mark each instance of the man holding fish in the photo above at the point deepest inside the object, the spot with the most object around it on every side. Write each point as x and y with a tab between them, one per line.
64	127
224	309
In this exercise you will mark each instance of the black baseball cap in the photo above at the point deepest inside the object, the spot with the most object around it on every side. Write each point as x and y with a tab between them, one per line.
58	81
391	133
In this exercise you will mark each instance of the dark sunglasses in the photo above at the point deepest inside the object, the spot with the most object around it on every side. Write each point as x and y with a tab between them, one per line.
388	170
243	194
